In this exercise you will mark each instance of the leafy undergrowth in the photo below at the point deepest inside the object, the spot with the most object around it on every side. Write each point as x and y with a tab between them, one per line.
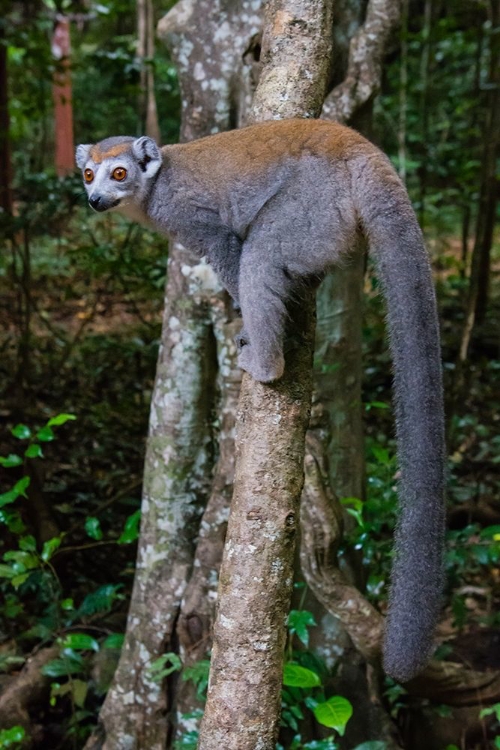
82	313
81	326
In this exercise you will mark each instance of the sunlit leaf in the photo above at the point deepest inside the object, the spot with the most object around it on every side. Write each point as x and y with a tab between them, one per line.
33	451
45	435
334	713
299	623
131	529
80	642
60	419
11	460
50	547
93	528
296	676
21	431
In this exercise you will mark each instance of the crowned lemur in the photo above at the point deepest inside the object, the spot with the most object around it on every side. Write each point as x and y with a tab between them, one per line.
274	204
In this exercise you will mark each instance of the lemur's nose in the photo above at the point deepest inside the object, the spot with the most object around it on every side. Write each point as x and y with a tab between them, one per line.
95	201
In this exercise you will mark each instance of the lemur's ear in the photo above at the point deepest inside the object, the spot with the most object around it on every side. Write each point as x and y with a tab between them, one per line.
82	154
147	154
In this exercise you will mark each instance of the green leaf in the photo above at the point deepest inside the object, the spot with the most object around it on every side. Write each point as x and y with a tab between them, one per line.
21	486
381	454
164	666
373	745
21	431
60	419
50	546
19	579
27	543
79	689
45	435
18	489
131	529
491	711
490	532
100	600
114	640
12	460
6	571
93	528
79	642
64	666
334	713
376	405
12	736
296	676
22	560
33	451
198	675
299	623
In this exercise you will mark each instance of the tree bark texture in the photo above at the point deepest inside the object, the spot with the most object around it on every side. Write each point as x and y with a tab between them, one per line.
243	704
196	617
208	40
296	54
256	577
23	694
366	54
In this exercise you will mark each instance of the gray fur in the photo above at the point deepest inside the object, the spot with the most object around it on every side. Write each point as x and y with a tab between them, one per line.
279	202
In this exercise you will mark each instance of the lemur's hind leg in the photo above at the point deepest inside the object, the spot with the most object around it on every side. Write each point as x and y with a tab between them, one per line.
263	290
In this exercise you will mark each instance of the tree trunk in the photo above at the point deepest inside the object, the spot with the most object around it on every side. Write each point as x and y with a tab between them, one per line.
488	196
5	160
145	52
175	490
63	103
243	704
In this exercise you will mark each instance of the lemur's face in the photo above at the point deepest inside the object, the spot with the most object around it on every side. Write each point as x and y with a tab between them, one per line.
117	171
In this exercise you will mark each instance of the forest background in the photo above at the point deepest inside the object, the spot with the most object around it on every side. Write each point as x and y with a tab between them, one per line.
81	306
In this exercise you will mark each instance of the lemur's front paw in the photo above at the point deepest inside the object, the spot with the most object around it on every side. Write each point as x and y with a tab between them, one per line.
241	339
263	372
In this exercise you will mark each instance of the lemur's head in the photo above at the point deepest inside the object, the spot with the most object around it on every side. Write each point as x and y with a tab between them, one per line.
117	172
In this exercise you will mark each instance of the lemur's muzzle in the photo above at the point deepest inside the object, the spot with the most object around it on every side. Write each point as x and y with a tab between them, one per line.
98	203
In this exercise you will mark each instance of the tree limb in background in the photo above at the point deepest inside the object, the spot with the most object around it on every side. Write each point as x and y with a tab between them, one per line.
321	534
26	691
145	52
243	705
366	55
197	613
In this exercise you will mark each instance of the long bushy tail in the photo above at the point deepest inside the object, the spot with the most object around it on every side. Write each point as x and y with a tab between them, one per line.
403	267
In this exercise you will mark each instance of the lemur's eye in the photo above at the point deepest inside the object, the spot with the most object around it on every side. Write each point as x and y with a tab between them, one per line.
119	174
88	175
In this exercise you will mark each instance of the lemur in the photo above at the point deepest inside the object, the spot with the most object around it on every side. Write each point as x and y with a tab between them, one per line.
273	204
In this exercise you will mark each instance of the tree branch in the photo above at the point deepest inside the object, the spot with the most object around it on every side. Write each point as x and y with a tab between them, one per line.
366	54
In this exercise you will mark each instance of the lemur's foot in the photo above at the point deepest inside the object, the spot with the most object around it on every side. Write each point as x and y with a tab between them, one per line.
241	339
